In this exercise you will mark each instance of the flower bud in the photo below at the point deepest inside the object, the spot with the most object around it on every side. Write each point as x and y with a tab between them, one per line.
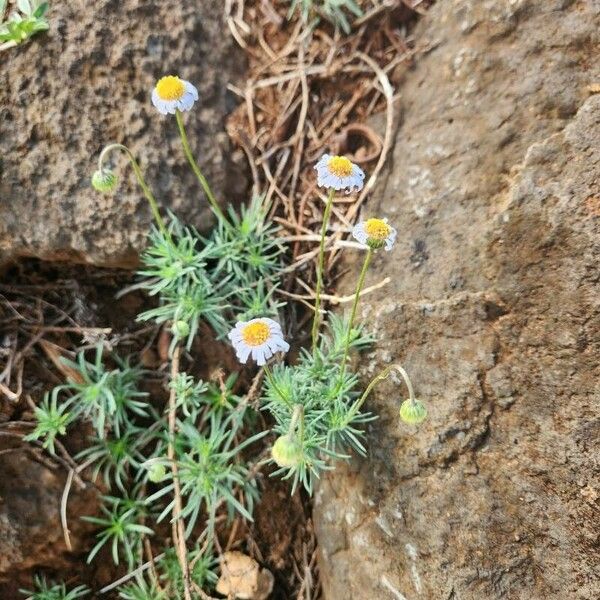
156	472
375	244
180	329
286	451
413	412
104	180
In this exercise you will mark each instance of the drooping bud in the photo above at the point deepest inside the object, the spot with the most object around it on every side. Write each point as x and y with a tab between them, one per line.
104	180
180	329
413	412
287	451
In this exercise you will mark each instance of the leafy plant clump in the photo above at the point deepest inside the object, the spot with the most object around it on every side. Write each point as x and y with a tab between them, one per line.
54	591
335	11
193	459
24	22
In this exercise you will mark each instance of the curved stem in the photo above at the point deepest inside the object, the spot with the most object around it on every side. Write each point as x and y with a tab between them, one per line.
269	375
359	287
140	178
383	375
203	182
297	421
320	269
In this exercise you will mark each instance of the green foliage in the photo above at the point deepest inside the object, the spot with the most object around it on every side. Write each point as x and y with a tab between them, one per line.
104	394
202	574
24	22
175	258
54	591
211	473
142	590
52	421
335	11
214	280
332	425
116	457
248	248
202	571
121	528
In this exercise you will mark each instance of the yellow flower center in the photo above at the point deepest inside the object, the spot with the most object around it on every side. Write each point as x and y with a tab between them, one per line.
340	166
256	333
170	88
377	229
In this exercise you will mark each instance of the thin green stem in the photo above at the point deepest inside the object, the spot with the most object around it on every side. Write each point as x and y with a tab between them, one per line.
359	287
383	375
271	380
320	269
203	182
140	178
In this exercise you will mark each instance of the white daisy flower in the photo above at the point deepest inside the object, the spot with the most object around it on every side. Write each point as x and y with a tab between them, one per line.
375	233
171	94
339	173
260	338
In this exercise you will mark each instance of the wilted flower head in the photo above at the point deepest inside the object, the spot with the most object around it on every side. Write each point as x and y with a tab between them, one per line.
375	233
413	412
287	451
339	173
260	338
171	94
104	180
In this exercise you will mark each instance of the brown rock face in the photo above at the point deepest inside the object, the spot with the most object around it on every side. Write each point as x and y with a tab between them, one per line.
494	311
86	83
31	489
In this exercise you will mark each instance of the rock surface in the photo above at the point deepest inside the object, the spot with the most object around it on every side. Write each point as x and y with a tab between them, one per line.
86	83
494	310
32	485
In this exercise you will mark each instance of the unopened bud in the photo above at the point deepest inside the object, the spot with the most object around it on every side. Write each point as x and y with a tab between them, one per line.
413	412
286	451
156	472
180	329
104	180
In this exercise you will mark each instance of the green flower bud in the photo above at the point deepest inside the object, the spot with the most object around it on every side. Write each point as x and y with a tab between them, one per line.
413	412
180	329
286	451
375	244
104	181
156	472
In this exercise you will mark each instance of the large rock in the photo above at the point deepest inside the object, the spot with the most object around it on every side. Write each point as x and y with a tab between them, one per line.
87	82
494	310
31	490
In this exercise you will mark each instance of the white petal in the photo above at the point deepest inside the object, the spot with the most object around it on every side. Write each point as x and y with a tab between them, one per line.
186	102
283	345
235	336
243	352
359	233
190	89
357	172
260	354
155	97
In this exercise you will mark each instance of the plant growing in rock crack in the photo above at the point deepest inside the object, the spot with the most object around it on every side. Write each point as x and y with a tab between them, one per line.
54	591
335	11
120	529
196	461
25	21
